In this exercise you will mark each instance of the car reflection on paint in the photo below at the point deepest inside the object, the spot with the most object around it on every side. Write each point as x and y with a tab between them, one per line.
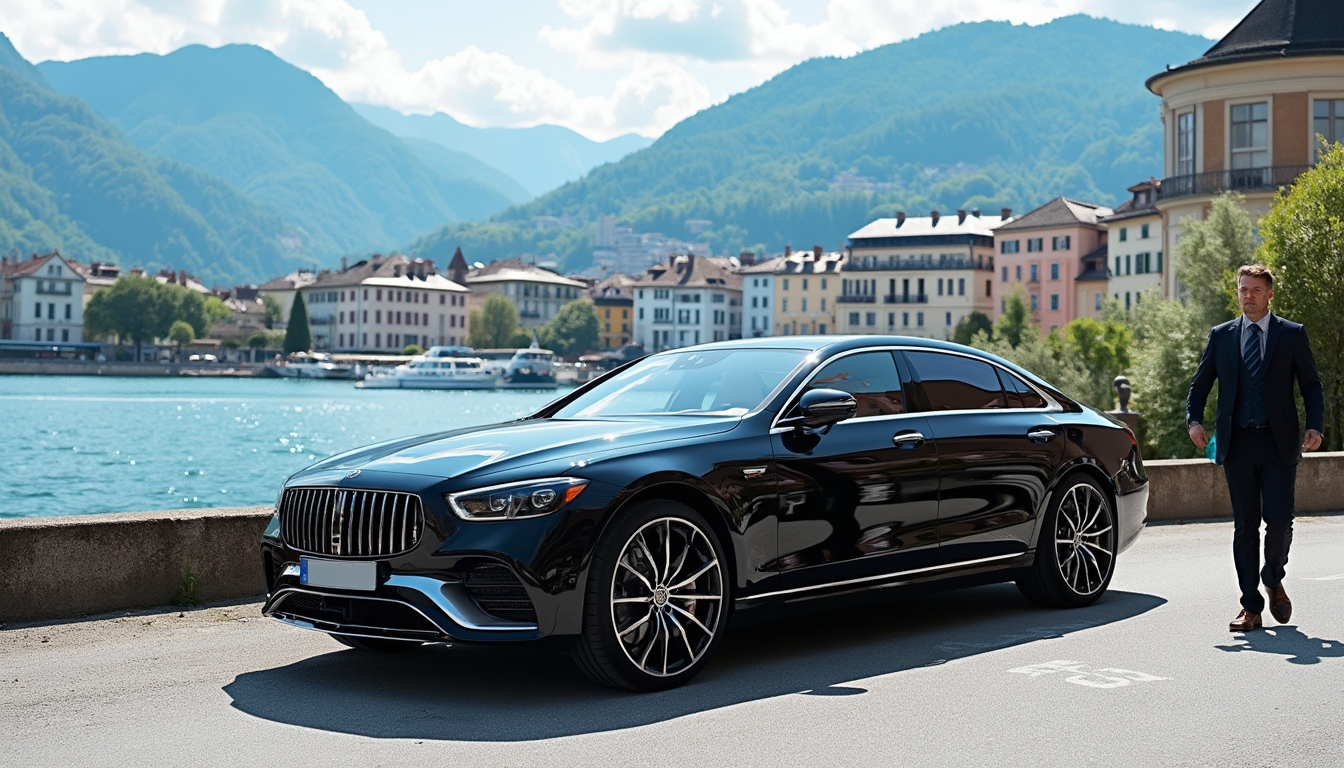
630	518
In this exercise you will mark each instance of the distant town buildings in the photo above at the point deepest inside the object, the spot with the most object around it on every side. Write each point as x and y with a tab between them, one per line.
622	250
807	287
614	301
383	304
758	295
41	299
1135	247
282	289
688	300
538	293
1042	253
918	275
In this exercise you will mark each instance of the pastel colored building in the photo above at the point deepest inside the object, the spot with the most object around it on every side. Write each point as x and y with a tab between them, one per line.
42	299
384	304
1042	252
758	297
688	300
807	285
1137	259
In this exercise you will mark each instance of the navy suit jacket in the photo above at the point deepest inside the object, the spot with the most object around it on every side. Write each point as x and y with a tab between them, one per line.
1287	355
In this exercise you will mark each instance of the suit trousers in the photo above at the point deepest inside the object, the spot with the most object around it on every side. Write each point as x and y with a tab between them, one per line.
1262	488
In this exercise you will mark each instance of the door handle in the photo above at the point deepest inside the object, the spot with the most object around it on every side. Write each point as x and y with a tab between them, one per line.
1041	434
908	439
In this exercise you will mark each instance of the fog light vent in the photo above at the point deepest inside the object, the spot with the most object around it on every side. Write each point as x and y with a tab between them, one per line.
496	590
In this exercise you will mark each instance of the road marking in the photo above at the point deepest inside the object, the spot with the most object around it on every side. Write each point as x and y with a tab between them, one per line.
1327	578
1104	677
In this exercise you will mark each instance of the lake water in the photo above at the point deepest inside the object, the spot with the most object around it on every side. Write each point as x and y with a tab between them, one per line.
72	445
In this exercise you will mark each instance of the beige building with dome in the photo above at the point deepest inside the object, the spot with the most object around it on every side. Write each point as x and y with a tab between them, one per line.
1245	115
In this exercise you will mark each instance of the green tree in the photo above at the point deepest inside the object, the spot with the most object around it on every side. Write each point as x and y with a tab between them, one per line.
298	336
134	308
1103	349
1304	245
1015	321
495	324
573	330
258	340
413	349
970	325
1169	338
272	310
180	333
1208	254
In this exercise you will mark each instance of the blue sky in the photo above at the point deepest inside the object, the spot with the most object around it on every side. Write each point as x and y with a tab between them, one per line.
601	67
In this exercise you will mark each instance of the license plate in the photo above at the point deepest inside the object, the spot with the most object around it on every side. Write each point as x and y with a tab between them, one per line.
337	574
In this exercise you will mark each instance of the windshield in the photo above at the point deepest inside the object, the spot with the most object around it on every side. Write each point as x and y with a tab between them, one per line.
721	382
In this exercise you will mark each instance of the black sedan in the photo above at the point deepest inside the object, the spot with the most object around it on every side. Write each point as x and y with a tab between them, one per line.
631	518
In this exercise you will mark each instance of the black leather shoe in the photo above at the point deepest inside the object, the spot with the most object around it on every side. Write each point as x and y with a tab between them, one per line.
1280	607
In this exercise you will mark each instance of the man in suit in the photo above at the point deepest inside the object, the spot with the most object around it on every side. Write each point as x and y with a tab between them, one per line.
1255	359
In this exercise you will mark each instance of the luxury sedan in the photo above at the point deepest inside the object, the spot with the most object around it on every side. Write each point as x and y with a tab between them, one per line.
631	518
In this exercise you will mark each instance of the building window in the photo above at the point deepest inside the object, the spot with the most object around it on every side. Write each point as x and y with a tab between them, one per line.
1017	272
919	319
1159	261
1035	245
1035	302
940	286
987	288
1096	300
803	305
823	303
804	283
1126	300
853	318
1054	271
949	319
1009	246
1054	302
1035	273
1328	120
823	287
67	311
784	304
1250	135
1060	243
1143	232
1124	234
37	312
1185	144
786	283
1005	274
961	286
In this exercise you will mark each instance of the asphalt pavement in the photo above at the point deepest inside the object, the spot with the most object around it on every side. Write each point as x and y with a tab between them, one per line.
1149	676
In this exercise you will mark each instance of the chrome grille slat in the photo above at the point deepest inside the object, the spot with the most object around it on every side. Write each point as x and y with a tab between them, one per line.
339	522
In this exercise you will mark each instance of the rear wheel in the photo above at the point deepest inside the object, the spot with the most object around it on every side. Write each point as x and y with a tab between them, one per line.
376	644
656	601
1075	555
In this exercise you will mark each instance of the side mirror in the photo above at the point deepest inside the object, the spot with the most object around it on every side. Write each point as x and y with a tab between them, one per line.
820	408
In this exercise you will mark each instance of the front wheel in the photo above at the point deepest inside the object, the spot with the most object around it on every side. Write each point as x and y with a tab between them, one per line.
1075	555
657	599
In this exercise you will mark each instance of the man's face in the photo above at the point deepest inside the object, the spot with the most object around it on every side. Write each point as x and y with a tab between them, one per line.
1254	294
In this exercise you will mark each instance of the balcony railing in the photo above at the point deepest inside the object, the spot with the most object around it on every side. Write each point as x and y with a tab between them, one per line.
856	299
894	263
907	298
53	290
1241	180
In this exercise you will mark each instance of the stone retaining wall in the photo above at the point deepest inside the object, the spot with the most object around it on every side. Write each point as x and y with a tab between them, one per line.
68	566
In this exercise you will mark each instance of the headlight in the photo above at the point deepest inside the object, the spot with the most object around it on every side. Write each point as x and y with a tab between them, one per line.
516	500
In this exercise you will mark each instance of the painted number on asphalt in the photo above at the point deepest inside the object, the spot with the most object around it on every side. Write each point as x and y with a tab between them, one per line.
1082	674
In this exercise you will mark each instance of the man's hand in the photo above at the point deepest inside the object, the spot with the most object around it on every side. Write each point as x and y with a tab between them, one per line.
1201	438
1312	441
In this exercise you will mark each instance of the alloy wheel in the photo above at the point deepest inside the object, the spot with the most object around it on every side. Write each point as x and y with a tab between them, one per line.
1084	539
666	596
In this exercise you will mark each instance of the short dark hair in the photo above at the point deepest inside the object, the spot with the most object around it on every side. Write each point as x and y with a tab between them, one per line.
1256	270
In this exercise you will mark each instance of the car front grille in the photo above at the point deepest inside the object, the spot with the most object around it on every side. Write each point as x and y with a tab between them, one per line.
496	590
354	612
351	523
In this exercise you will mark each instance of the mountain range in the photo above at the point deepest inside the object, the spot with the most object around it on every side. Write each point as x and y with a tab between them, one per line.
986	114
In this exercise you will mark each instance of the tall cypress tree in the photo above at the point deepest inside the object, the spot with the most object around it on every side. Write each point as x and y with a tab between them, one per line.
298	336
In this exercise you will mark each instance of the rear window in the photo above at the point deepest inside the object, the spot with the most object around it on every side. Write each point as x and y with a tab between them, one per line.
956	383
1020	394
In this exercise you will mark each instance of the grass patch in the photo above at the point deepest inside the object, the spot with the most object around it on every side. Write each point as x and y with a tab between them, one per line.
189	591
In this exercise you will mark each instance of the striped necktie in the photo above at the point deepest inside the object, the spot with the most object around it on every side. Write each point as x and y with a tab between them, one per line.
1251	354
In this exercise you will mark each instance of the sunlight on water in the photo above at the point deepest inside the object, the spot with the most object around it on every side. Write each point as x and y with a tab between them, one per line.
82	444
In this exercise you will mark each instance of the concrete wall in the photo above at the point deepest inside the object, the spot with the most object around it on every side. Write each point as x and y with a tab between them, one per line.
68	566
60	367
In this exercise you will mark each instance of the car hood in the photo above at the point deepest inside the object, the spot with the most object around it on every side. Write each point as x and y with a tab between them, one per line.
511	445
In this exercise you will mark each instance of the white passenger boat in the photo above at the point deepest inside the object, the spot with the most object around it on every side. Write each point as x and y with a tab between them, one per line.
530	368
311	365
424	372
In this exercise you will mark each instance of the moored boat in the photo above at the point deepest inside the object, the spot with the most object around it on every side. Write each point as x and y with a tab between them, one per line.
311	365
424	372
530	368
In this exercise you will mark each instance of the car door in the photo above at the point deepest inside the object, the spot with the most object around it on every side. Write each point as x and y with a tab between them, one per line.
998	448
862	499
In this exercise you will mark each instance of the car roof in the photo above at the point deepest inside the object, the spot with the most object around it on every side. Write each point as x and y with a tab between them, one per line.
837	343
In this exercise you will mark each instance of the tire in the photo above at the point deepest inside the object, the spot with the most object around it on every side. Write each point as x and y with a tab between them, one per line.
644	630
376	644
1075	553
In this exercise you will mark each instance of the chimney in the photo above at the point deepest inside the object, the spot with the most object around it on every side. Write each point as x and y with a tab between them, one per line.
961	217
345	264
672	260
746	258
975	212
690	262
376	259
816	252
934	216
900	219
1005	213
182	278
788	250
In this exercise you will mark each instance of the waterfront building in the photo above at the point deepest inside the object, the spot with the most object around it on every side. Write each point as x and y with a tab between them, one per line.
917	275
688	300
758	295
1043	251
807	286
383	304
41	299
97	276
538	293
282	289
1245	115
1134	241
614	302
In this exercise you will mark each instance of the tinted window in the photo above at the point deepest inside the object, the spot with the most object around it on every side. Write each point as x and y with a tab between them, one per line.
870	377
955	383
1020	394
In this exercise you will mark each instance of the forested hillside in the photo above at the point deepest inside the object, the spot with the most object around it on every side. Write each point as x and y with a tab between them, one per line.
982	115
276	132
71	181
541	158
